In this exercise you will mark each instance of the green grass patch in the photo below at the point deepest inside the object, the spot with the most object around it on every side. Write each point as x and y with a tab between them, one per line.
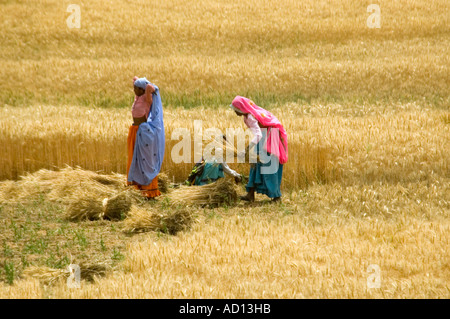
36	234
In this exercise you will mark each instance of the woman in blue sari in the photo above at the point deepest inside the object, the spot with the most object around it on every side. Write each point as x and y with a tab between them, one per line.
146	139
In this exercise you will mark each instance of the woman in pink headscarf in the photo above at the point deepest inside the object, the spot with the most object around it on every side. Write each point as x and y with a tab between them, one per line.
270	143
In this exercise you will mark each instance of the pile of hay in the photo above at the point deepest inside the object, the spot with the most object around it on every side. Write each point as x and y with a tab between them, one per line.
51	276
63	186
69	184
91	208
46	275
145	219
116	207
223	191
163	183
87	195
87	208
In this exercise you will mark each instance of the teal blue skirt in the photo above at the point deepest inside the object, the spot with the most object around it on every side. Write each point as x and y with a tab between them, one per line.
211	172
259	179
268	184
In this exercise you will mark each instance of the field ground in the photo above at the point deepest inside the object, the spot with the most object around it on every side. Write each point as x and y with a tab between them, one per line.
366	112
313	245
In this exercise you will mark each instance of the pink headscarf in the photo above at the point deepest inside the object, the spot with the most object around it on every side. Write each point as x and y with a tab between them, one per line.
275	144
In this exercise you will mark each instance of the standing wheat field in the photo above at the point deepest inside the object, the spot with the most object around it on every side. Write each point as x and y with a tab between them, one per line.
366	110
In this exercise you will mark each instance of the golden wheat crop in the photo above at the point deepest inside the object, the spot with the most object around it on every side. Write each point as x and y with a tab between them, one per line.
367	117
209	51
326	143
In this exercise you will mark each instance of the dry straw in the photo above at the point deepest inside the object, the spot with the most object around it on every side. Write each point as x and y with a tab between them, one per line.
63	186
88	208
46	275
90	271
116	207
163	182
142	219
223	191
51	276
87	195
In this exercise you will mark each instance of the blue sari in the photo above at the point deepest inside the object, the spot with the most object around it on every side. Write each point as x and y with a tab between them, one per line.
150	144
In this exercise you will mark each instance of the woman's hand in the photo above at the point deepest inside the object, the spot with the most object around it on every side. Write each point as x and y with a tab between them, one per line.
151	89
241	155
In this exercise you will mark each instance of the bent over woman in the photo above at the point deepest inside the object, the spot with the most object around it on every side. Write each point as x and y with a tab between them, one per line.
269	142
146	139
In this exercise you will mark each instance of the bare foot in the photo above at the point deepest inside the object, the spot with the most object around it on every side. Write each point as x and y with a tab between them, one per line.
248	198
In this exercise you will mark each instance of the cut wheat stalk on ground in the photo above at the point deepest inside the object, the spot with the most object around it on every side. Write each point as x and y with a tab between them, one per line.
223	191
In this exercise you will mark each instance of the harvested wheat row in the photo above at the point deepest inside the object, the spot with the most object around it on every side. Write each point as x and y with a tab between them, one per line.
61	186
68	183
86	194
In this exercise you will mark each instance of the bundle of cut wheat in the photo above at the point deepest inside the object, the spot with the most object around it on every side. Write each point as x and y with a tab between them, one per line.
145	219
90	271
50	276
223	191
176	220
45	274
86	208
116	207
163	182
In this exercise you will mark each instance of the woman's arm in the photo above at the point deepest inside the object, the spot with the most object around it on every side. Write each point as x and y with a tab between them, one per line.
149	90
228	170
252	124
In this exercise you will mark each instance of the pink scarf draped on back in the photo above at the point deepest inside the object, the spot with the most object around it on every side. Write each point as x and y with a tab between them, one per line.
276	141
